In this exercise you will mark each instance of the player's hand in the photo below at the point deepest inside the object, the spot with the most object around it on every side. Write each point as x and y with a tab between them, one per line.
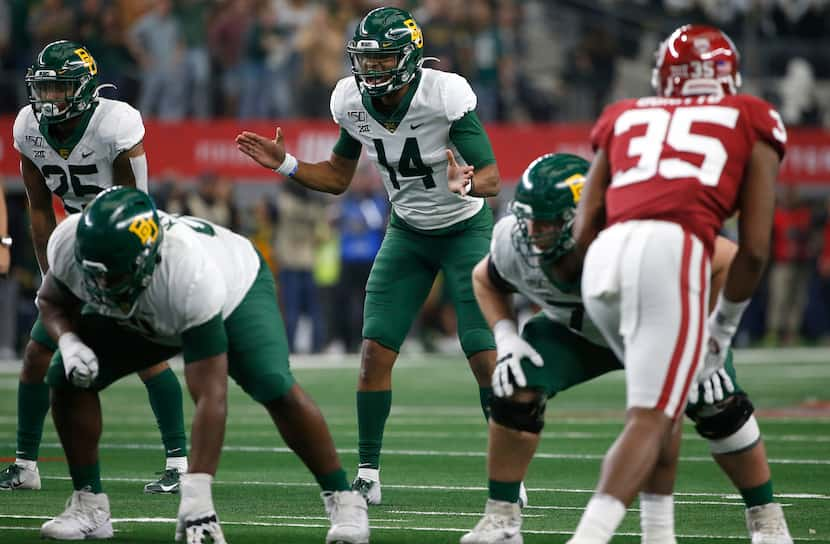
510	350
79	362
268	153
713	380
458	177
197	518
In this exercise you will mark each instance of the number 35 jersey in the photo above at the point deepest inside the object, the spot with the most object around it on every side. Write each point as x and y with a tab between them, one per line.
410	149
76	174
683	159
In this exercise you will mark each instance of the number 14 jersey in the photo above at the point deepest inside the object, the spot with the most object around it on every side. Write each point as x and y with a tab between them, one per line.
682	159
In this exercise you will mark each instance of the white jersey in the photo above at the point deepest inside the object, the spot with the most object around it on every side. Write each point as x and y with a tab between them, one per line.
563	308
412	157
205	269
76	174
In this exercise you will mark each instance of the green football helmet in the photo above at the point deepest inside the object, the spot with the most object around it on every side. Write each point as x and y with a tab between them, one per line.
548	191
386	51
63	82
117	246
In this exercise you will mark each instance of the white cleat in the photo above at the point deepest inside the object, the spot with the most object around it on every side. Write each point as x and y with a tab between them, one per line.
87	515
522	496
501	524
367	483
349	517
767	525
16	476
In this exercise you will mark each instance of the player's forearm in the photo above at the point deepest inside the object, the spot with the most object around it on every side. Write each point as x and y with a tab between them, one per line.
42	226
322	176
744	275
494	304
486	182
56	308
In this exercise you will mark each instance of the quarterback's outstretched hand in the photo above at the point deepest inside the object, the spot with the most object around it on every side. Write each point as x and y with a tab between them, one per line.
79	362
268	153
510	350
713	379
459	178
197	519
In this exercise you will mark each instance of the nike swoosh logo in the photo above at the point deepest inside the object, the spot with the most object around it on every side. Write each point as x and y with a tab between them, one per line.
413	126
174	450
167	488
85	155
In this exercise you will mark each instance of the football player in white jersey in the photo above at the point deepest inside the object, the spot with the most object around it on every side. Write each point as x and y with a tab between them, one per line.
532	253
74	144
152	286
420	128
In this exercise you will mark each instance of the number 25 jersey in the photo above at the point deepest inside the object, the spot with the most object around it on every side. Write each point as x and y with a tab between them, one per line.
682	159
81	168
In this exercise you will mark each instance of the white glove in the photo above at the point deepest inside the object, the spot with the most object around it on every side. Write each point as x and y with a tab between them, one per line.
510	350
197	518
79	362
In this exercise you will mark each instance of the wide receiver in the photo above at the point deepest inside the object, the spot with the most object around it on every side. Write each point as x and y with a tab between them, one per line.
533	253
75	144
420	128
668	170
151	286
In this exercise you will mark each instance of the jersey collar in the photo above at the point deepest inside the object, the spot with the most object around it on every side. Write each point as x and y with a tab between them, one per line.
64	147
391	121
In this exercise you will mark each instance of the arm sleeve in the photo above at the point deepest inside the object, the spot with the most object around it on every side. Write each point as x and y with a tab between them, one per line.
205	340
469	137
497	279
336	101
502	262
19	130
347	146
457	95
130	129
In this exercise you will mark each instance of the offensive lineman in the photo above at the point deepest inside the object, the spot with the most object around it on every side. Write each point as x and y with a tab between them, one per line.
669	170
157	286
75	144
413	123
532	253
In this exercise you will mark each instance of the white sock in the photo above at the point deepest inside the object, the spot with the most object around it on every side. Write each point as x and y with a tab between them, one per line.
601	518
369	473
657	518
26	463
179	463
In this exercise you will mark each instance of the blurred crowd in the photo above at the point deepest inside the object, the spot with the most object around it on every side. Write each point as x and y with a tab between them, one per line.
527	60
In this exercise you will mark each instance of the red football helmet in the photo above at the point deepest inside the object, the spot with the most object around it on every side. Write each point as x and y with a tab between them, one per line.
696	59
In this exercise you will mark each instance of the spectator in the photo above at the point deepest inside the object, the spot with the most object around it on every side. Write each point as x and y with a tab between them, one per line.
49	21
155	41
226	40
321	46
823	266
486	49
799	102
213	200
789	270
300	215
191	16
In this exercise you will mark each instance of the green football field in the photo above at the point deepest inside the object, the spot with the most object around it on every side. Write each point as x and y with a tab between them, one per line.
433	466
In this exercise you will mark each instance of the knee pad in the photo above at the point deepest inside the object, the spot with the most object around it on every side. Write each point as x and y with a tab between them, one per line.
520	416
730	426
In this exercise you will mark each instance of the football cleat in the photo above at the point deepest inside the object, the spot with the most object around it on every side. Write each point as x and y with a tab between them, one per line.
87	515
767	525
501	524
168	483
349	517
15	476
370	489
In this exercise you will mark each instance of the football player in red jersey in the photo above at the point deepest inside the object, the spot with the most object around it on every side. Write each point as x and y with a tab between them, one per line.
669	169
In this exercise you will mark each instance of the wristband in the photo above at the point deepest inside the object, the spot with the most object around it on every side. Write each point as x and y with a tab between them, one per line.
288	167
728	314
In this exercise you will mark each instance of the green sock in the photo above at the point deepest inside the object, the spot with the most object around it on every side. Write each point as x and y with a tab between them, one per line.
485	395
333	481
32	406
86	476
372	410
758	496
165	395
504	491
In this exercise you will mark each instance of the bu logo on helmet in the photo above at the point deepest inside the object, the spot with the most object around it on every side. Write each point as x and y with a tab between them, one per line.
417	36
574	183
145	229
87	59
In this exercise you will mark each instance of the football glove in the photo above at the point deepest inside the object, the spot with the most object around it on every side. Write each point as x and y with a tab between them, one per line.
510	350
197	520
79	362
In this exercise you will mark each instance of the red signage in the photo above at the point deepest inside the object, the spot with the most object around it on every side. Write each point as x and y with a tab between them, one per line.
191	148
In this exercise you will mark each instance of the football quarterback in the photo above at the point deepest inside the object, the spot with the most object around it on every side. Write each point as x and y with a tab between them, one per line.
152	286
74	144
420	128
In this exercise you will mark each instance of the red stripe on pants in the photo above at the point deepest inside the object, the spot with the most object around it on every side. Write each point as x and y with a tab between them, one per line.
668	385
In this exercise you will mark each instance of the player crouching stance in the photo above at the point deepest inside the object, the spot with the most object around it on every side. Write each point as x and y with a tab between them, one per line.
532	253
129	286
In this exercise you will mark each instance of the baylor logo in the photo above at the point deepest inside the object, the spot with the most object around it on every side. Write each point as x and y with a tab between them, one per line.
146	230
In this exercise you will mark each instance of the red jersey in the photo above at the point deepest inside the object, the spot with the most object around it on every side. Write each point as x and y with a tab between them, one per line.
682	159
